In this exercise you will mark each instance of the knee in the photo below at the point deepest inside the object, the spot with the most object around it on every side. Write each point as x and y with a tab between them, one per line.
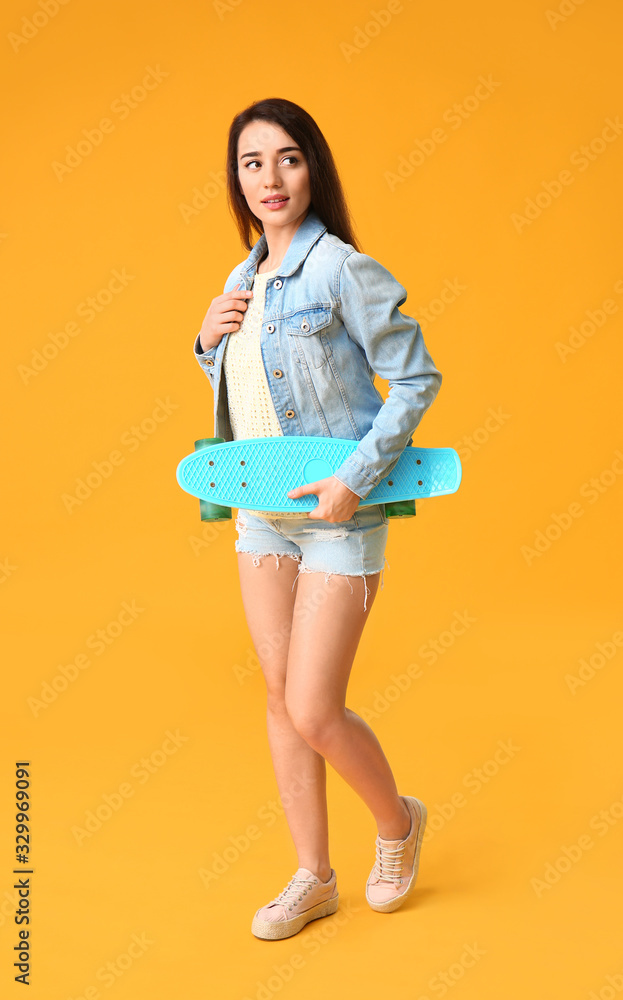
314	725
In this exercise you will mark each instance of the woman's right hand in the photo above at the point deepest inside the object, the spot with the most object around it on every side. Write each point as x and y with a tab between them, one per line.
225	315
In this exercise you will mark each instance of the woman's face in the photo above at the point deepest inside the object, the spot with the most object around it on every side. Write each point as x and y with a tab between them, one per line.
271	164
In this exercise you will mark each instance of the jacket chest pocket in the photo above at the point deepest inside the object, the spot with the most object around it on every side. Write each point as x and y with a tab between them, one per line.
307	332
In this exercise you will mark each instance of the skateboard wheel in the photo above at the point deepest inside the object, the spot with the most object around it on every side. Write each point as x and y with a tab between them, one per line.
206	442
400	508
211	511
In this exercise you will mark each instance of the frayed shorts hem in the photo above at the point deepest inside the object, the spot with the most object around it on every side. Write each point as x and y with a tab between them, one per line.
361	540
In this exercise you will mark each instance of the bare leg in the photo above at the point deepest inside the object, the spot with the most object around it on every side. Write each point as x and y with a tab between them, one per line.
268	601
321	652
306	678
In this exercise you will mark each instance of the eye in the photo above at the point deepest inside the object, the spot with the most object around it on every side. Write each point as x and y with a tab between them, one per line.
290	156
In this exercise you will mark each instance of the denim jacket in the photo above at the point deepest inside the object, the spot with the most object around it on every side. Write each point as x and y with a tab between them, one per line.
331	321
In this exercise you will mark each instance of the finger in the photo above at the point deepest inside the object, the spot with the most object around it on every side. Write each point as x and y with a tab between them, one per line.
240	293
300	491
239	305
232	316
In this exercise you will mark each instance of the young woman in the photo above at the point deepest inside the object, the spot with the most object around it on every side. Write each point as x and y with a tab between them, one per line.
291	347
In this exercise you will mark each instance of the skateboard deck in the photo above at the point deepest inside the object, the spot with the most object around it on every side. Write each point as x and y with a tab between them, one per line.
257	473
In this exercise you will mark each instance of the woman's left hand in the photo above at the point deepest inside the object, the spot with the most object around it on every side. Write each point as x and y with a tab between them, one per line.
335	501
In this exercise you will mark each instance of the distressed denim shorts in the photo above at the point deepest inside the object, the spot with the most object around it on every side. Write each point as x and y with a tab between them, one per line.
349	548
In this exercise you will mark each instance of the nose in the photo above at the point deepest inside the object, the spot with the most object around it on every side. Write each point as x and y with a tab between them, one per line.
271	177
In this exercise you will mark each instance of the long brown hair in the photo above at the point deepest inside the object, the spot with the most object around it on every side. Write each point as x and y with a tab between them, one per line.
327	195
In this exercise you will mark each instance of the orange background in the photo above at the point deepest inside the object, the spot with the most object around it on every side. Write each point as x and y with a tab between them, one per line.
545	473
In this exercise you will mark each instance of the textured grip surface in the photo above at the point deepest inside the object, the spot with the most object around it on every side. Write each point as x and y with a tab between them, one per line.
258	472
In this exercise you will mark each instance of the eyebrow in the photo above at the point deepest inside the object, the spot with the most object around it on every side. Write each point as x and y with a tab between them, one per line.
284	149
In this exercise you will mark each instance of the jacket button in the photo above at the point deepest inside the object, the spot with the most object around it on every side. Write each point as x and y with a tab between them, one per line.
289	413
271	327
305	326
209	362
277	373
278	283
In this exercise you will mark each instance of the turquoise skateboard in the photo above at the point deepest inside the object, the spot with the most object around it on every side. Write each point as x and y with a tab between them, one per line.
257	473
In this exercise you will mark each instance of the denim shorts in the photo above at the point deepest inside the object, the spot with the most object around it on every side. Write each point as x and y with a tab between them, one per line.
349	548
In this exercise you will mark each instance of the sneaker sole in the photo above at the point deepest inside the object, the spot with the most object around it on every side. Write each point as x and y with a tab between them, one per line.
393	904
273	930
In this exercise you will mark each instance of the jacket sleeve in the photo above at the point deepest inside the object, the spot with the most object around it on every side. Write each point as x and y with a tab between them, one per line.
203	356
394	347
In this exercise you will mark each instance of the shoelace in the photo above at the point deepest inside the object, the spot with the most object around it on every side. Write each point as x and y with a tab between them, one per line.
292	892
388	864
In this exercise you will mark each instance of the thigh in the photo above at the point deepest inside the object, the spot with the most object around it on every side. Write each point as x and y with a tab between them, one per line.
267	567
327	624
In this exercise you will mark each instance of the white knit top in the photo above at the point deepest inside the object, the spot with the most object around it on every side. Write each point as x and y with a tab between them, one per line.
251	409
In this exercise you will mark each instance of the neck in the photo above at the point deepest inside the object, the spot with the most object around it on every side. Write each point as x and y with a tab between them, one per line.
266	265
278	239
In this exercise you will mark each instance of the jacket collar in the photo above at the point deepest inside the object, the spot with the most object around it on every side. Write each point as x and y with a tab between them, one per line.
310	230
